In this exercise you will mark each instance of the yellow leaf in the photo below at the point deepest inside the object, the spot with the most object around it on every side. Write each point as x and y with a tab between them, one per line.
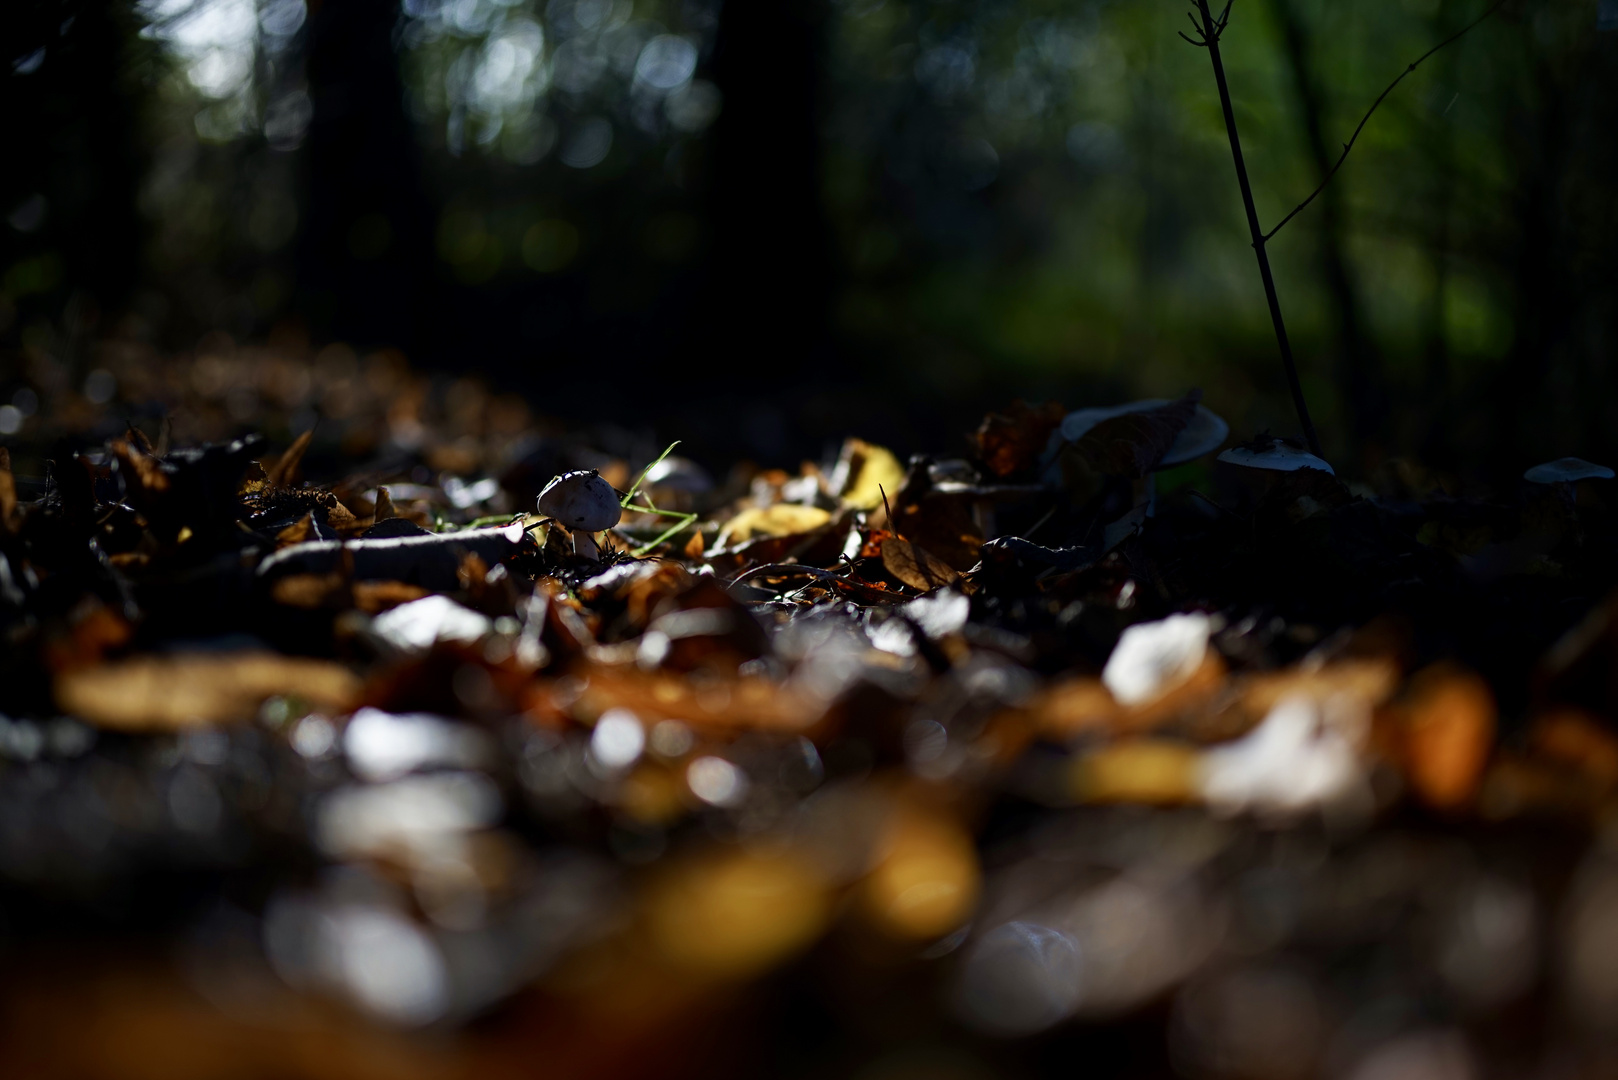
735	914
782	519
169	693
1151	771
871	470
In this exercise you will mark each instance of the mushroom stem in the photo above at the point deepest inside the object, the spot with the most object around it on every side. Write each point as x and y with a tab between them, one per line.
585	544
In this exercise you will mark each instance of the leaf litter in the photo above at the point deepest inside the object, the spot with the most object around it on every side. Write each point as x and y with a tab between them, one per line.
1015	735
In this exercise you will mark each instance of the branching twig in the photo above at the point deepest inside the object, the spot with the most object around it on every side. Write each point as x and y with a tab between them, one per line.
1203	40
1380	98
1209	30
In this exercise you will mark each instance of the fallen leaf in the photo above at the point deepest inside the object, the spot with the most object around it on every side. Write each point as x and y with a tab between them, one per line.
943	524
1370	680
1009	443
1155	772
8	492
1130	445
95	631
734	914
285	468
1074	707
915	566
652	795
865	472
1083	705
170	693
927	882
342	519
312	591
727	705
141	468
299	532
1579	740
780	520
1448	727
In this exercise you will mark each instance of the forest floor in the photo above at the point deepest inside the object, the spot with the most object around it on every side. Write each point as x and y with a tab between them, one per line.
326	753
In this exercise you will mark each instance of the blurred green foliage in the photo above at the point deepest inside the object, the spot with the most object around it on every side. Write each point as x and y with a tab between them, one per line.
1008	196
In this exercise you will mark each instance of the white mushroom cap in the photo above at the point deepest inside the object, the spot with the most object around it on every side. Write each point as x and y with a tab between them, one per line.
1204	433
581	500
1564	470
1277	457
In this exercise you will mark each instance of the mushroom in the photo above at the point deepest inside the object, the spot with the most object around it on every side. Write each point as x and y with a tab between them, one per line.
1562	474
1203	434
583	502
1277	456
1566	471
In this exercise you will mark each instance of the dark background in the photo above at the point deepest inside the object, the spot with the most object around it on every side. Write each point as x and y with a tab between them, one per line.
761	225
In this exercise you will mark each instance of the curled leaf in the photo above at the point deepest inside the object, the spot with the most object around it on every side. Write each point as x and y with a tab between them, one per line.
285	469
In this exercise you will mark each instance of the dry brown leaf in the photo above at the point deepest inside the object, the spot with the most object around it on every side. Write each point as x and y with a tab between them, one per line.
473	573
141	469
372	597
1448	727
1132	444
817	548
184	690
1156	772
733	913
1372	680
1074	707
915	566
285	469
1579	740
1011	442
653	794
94	632
384	506
8	492
1082	705
944	525
298	532
312	591
928	880
146	1010
342	519
746	703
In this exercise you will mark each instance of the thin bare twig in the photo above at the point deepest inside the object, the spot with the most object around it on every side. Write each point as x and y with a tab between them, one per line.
1203	40
1212	29
1462	32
